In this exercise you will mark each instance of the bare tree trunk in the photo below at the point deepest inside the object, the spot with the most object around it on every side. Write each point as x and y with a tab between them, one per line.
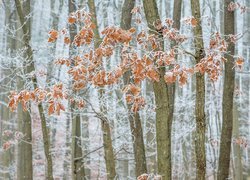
77	162
6	120
228	96
24	154
67	151
236	147
163	123
29	68
171	88
76	154
55	21
134	118
86	144
107	139
200	147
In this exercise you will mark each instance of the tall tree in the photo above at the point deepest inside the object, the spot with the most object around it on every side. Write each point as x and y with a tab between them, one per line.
107	139
134	118
163	123
228	97
200	147
6	122
24	154
76	154
29	68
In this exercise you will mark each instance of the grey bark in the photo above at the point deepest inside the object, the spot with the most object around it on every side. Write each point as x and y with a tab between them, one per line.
76	149
200	147
134	118
163	123
107	139
228	96
29	68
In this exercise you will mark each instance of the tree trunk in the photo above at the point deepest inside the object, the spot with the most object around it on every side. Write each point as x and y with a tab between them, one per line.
77	162
107	139
238	173
200	146
134	118
228	96
171	87
29	68
66	172
163	123
24	153
7	120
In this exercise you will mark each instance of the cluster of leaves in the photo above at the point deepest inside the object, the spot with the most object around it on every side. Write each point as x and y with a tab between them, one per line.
53	97
87	68
133	97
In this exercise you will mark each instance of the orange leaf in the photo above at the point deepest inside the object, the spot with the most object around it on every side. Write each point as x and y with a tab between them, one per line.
53	34
134	89
193	22
71	19
81	104
58	108
51	109
129	98
152	74
66	40
51	40
239	63
169	77
132	30
62	107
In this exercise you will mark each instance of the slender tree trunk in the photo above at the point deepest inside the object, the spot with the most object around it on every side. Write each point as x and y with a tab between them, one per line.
51	66
134	118
6	156
236	147
77	162
228	96
163	123
55	21
86	143
24	154
30	67
246	53
107	139
200	146
67	151
172	87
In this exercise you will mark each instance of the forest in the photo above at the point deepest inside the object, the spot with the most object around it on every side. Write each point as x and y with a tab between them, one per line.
124	89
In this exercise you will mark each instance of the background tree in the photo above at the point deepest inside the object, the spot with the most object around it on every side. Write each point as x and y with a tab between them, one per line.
228	96
134	118
200	147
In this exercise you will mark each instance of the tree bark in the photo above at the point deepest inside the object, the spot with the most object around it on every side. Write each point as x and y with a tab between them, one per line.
134	118
238	173
7	120
107	139
24	153
163	123
30	68
200	146
172	87
228	97
77	164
